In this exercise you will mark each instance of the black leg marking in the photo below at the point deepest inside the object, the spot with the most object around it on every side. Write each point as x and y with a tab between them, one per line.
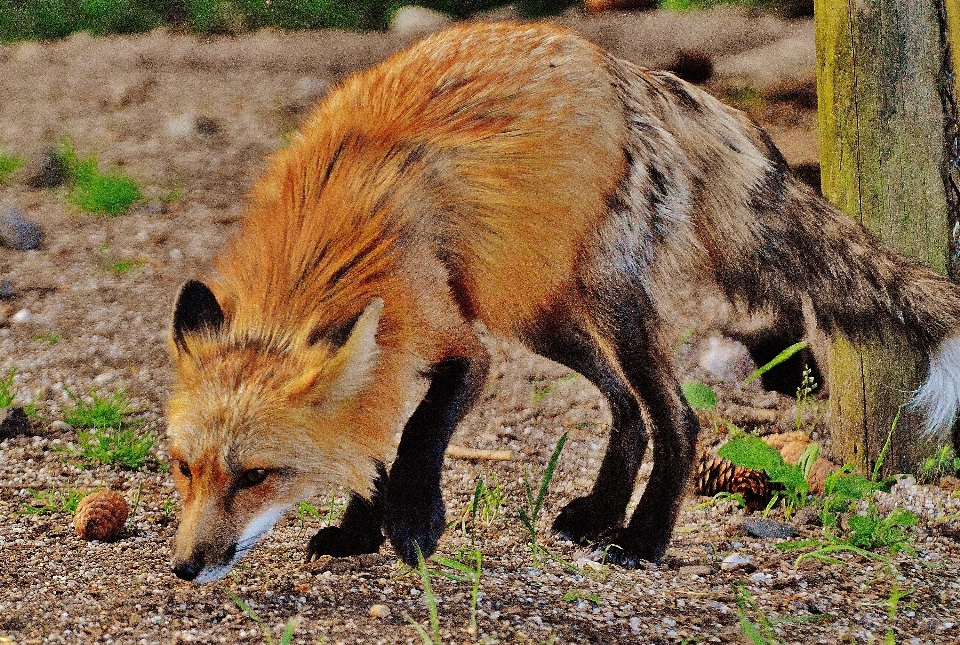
674	426
587	518
359	530
414	514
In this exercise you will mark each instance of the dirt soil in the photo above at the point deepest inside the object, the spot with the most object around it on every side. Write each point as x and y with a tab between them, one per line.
194	120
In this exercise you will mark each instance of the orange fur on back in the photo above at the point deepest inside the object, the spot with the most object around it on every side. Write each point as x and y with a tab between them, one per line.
437	150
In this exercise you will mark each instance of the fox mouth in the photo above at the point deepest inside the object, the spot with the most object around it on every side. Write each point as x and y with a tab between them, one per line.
211	572
232	555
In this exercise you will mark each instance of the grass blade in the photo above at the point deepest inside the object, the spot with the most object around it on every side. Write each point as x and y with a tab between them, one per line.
548	475
779	358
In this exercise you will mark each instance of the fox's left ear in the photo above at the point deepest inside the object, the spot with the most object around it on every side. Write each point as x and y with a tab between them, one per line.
196	310
351	368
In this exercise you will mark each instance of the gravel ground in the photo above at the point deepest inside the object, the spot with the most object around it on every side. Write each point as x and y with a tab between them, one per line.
193	121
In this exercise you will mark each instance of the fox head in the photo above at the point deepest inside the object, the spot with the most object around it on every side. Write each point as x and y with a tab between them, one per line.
256	425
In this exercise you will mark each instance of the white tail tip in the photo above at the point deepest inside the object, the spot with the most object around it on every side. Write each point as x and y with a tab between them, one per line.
939	395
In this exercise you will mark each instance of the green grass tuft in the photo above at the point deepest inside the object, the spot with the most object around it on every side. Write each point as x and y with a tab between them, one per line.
122	267
8	395
111	193
7	392
285	638
9	164
535	502
124	447
540	393
755	625
101	412
688	5
433	637
52	501
104	435
942	463
51	19
49	339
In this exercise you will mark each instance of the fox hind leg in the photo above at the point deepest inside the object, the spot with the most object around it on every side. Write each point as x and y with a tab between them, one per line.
631	328
570	342
617	347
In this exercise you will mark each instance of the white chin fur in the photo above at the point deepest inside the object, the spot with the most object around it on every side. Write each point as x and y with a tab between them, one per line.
939	395
255	530
209	574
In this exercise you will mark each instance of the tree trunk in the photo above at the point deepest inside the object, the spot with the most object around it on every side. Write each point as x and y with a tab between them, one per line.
887	128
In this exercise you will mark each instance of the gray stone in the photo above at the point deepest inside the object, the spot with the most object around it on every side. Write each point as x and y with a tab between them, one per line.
16	232
769	529
735	561
13	422
413	21
52	172
59	426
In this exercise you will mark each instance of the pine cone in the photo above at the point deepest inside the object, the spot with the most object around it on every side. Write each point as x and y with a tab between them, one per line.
101	516
715	474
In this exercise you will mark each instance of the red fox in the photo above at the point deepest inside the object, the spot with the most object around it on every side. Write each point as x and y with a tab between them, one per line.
519	176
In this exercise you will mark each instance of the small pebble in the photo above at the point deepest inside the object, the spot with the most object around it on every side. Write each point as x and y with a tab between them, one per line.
7	290
21	317
59	426
18	233
701	570
181	126
806	515
586	563
734	561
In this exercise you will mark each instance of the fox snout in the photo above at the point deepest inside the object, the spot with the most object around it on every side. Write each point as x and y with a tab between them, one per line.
204	559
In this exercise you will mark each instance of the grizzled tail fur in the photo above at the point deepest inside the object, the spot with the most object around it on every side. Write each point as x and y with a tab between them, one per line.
861	288
708	193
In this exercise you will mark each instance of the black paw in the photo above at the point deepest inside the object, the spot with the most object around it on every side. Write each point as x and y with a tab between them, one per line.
416	525
624	548
584	520
341	543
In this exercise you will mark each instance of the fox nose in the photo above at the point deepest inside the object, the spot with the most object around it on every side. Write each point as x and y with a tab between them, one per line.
187	570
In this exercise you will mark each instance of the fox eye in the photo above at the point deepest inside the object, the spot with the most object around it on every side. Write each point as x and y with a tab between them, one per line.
184	469
252	477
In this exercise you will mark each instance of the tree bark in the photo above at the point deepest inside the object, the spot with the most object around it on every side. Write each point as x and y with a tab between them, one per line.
885	89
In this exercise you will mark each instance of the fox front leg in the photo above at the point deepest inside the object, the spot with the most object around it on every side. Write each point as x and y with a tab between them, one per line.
414	513
408	503
359	531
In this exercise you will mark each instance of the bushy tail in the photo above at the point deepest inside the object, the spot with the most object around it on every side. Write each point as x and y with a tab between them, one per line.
707	178
862	288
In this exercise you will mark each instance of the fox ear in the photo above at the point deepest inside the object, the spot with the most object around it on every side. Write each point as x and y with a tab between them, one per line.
353	364
196	309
